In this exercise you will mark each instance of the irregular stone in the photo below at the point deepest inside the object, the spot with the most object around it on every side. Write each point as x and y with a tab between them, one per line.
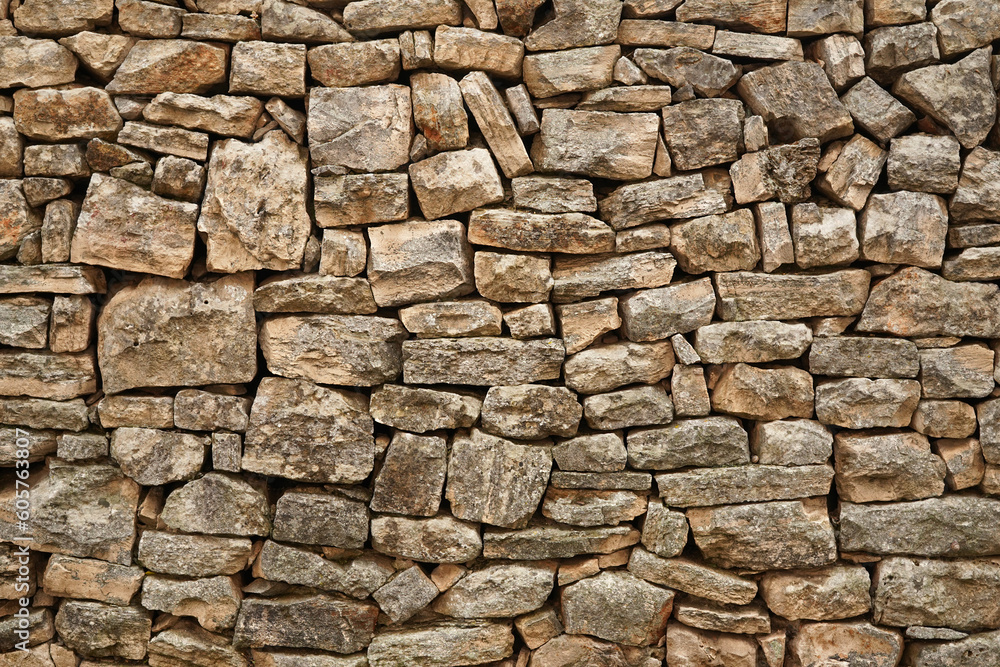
44	374
193	555
438	111
628	480
360	129
343	253
215	602
512	278
751	342
964	371
725	242
877	112
152	457
360	199
605	368
482	361
817	643
265	69
688	647
722	618
452	318
169	65
499	590
219	27
20	220
581	277
471	49
420	410
441	539
689	391
585	602
764	394
976	197
842	57
824	594
553	541
971	264
530	412
65	115
377	16
753	296
287	22
179	178
98	630
794	442
904	228
357	577
405	594
34	63
895	466
531	321
960	96
355	63
453	182
944	419
716	486
124	410
309	293
585	322
664	531
851	171
598	144
494	121
412	476
689	123
25	321
57	17
576	23
709	75
598	452
964	459
782	171
765	16
221	114
553	194
765	536
306	621
315	518
952	526
442	643
925	163
91	579
592	507
633	406
629	99
148	19
657	314
190	643
978	649
762	47
685	442
575	70
218	503
859	403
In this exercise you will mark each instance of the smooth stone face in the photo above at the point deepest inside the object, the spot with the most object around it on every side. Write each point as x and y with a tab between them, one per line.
161	242
412	476
184	340
952	526
751	342
819	642
316	518
955	594
312	621
168	65
442	643
823	594
442	539
218	503
713	440
496	481
596	143
861	403
608	367
641	623
152	457
346	128
765	536
486	361
756	483
420	410
499	590
293	421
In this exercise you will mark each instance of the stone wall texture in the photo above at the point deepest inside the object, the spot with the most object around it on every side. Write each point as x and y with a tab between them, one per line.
430	333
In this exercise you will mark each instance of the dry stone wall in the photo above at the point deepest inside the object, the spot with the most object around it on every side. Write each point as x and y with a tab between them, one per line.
432	333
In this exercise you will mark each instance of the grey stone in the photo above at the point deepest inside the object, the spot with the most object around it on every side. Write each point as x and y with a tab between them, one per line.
713	440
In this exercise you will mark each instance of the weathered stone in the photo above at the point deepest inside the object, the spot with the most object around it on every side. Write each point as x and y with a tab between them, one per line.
757	483
580	277
482	361
843	58
360	129
598	452
310	293
875	111
420	410
126	410
20	220
91	579
34	63
657	314
863	357
897	306
714	617
576	23
688	647
977	197
960	96
306	621
438	111
44	374
752	296
924	163
689	391
173	141
193	555
530	412
376	16
152	457
796	100
599	144
709	75
629	99
765	16
441	539
944	419
859	403
818	643
512	278
964	371
632	406
751	342
215	602
171	316
190	643
218	503
442	643
412	476
559	72
161	242
602	369
221	114
762	47
952	526
725	242
978	649
343	253
494	121
262	68
783	171
584	606
765	536
179	178
553	194
896	466
355	63
689	123
314	518
964	459
824	594
471	49
25	321
499	590
851	171
360	199
169	65
756	393
98	630
65	115
452	319
453	182
686	442
357	577
531	321
971	264
149	19
664	531
904	228
679	197
554	541
586	507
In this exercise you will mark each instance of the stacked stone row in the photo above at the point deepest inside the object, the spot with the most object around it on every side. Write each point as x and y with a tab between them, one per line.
442	333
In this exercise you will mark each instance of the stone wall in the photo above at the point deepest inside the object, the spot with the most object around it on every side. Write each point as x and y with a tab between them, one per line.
418	333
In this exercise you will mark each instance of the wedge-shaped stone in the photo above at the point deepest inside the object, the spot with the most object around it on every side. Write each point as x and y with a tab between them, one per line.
228	115
764	393
881	467
484	361
218	503
960	96
420	410
161	333
442	643
714	617
824	594
306	621
608	367
756	483
44	374
726	242
657	314
78	509
851	171
65	115
496	481
641	621
412	475
109	233
587	507
978	196
293	422
575	70
845	356
862	403
152	457
169	65
376	16
784	172
495	122
98	630
20	220
598	144
58	278
708	75
193	555
455	181
693	578
817	643
796	100
751	342
754	296
554	541
765	536
441	539
258	226
34	63
574	233
438	252
702	133
712	441
169	140
577	278
952	526
964	371
499	590
627	99
957	594
360	129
